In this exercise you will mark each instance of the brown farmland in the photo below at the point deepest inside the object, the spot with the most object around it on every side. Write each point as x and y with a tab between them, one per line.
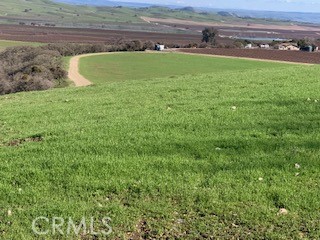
275	55
52	35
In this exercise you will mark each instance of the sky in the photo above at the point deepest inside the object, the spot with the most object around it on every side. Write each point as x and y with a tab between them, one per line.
272	5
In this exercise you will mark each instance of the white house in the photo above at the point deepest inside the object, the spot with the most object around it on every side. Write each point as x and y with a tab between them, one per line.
265	46
287	46
160	47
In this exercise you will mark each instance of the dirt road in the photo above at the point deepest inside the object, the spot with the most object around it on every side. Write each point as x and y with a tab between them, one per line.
74	74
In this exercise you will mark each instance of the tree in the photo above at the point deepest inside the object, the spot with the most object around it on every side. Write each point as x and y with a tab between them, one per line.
305	42
209	35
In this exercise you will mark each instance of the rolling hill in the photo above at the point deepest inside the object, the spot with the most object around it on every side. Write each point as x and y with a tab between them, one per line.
61	14
201	155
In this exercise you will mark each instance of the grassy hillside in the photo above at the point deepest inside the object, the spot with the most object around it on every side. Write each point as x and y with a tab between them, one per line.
46	11
189	157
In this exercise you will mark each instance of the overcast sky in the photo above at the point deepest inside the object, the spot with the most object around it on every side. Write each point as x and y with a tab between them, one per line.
273	5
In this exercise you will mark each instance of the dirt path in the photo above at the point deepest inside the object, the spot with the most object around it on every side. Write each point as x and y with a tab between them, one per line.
74	74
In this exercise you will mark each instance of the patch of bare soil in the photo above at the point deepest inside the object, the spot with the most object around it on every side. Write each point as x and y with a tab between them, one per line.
19	141
273	55
80	35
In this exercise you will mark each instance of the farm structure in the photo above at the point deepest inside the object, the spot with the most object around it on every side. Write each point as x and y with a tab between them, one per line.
287	46
265	46
159	47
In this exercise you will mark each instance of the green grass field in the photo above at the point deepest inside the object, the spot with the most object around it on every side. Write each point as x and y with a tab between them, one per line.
187	157
128	66
4	44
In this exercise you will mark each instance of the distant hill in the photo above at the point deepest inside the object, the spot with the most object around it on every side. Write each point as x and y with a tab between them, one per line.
114	3
112	15
226	14
104	3
188	9
267	15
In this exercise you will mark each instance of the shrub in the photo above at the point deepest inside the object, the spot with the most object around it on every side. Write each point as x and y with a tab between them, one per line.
29	69
173	45
203	45
149	45
72	49
238	44
5	86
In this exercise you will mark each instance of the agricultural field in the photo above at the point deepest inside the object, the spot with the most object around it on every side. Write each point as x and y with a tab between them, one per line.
54	35
273	55
50	21
213	149
4	44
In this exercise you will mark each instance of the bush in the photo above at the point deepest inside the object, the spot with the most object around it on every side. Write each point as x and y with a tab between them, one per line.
191	45
5	86
30	69
149	45
173	45
221	45
239	44
72	49
203	45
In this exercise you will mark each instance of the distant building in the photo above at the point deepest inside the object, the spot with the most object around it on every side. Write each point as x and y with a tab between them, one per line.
293	48
265	46
287	46
248	45
159	47
280	47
